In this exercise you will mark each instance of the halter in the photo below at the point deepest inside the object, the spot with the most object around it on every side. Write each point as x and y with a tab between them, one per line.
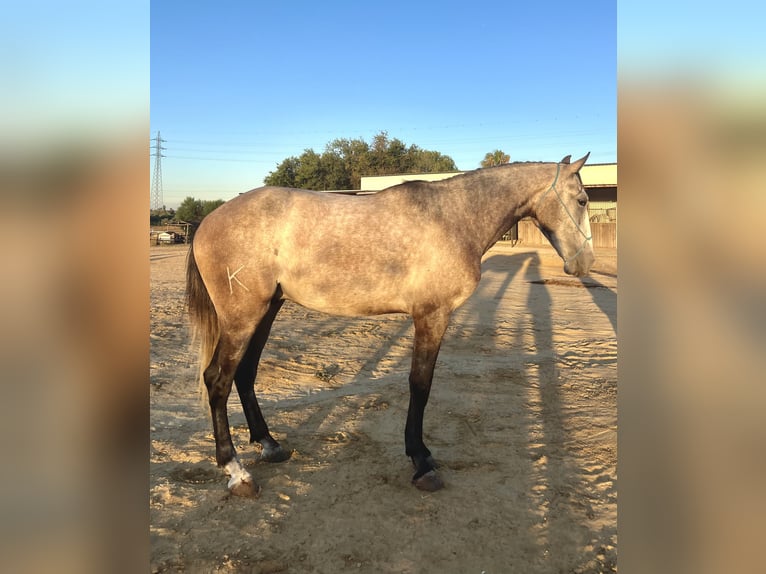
561	201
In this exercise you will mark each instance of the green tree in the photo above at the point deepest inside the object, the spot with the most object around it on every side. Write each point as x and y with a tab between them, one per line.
345	161
160	216
311	172
354	161
194	210
337	170
191	210
284	175
497	157
425	161
209	206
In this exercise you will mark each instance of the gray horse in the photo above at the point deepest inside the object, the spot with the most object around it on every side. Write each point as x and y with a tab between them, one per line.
414	248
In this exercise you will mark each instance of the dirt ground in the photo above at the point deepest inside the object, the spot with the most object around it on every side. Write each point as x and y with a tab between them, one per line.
522	420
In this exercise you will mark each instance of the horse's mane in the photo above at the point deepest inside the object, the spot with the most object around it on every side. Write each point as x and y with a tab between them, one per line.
439	182
505	165
487	169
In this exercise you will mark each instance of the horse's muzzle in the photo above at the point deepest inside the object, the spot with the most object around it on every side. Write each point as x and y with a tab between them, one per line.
581	265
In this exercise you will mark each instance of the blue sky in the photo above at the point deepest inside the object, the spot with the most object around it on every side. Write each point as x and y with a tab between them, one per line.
238	86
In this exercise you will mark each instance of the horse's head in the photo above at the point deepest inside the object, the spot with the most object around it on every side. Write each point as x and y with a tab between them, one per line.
561	213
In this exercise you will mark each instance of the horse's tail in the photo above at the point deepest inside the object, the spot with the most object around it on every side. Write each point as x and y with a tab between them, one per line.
204	319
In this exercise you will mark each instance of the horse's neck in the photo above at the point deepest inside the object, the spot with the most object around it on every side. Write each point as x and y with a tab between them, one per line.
486	204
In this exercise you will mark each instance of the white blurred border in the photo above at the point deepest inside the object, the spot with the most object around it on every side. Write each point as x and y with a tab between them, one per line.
692	145
74	177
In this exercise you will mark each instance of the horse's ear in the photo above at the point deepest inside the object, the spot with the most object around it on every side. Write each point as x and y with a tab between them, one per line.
580	162
566	159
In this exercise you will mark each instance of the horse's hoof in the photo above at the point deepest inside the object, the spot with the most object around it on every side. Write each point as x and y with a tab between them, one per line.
430	481
278	454
429	461
245	489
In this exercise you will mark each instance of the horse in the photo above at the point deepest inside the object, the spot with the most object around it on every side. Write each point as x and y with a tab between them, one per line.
413	248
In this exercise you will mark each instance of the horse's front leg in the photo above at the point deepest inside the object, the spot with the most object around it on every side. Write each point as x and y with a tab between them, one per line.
429	330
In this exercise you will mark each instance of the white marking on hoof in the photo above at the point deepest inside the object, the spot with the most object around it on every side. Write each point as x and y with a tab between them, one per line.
237	473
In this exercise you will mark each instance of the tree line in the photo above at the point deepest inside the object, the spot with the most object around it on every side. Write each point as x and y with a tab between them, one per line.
191	210
344	161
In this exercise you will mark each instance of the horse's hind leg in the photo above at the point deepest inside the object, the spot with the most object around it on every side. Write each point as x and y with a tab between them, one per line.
218	377
429	330
245	381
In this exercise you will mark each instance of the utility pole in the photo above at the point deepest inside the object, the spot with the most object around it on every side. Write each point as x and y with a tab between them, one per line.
157	177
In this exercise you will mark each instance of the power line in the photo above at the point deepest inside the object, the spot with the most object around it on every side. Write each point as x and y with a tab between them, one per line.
224	159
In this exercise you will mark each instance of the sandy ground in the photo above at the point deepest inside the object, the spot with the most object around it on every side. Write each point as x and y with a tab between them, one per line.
522	420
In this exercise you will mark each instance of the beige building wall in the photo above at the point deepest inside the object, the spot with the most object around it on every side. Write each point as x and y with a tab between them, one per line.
599	175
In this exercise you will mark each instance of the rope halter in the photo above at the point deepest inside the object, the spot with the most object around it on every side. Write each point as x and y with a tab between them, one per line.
569	213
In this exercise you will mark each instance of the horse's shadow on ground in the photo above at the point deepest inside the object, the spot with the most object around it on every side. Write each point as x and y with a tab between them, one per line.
604	297
560	474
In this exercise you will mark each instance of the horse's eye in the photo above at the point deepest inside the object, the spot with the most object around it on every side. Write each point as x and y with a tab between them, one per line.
582	202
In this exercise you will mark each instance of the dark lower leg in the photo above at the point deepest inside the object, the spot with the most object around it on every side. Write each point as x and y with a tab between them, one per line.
218	388
259	430
429	329
413	431
245	381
